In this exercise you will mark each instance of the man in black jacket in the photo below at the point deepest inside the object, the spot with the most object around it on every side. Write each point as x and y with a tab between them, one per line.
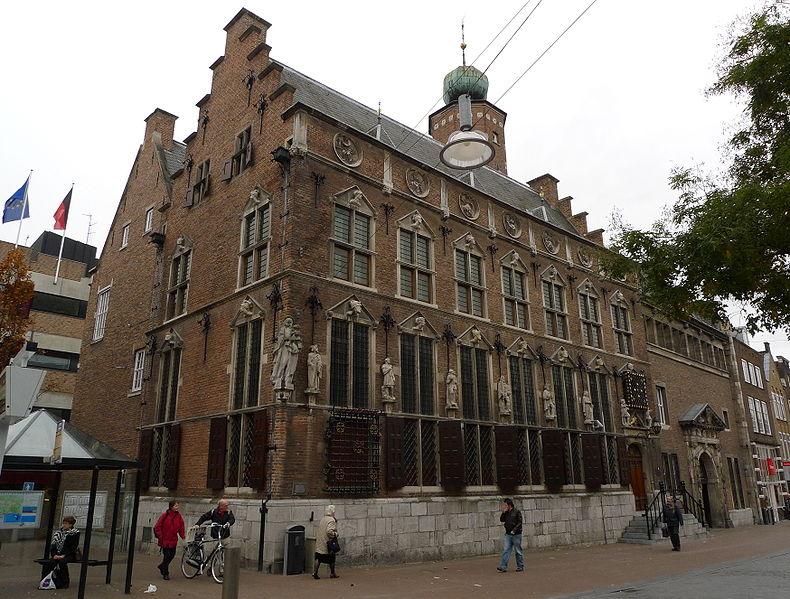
511	518
673	520
219	515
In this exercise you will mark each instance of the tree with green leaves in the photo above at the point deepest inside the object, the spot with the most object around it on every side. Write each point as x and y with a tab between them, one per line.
727	236
16	294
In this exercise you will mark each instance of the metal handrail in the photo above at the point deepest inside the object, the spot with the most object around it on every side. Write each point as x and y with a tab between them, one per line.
691	504
654	510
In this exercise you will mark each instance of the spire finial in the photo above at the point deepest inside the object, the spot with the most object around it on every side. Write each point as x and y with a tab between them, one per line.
463	44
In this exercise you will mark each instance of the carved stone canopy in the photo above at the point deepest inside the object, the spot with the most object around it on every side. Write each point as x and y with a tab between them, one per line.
521	348
474	337
249	309
172	340
702	416
354	310
417	324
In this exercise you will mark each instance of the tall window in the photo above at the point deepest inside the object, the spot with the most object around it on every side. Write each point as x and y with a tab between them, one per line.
170	366
125	235
138	369
470	286
479	454
240	448
474	383
247	364
242	153
599	393
417	374
254	254
522	385
349	368
621	322
663	334
554	308
351	245
590	316
179	284
100	318
420	446
201	187
149	220
416	275
564	396
514	290
679	340
735	483
695	350
662	416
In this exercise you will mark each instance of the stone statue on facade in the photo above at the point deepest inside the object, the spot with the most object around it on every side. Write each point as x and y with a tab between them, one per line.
388	383
452	390
549	404
419	324
505	397
354	308
587	407
625	414
285	355
315	370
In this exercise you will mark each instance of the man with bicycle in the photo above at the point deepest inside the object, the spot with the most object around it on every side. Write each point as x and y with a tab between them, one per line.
221	515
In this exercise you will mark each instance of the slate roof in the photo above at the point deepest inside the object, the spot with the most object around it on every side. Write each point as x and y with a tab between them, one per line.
175	157
418	146
690	416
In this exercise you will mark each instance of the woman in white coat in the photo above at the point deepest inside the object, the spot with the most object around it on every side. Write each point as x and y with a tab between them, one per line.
324	532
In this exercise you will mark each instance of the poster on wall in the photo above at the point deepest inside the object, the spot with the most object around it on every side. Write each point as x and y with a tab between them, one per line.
21	509
75	503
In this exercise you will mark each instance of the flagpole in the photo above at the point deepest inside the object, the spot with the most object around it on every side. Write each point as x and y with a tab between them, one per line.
24	206
62	240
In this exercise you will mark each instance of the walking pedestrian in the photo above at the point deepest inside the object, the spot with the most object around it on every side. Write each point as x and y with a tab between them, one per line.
64	549
326	546
673	520
168	528
511	518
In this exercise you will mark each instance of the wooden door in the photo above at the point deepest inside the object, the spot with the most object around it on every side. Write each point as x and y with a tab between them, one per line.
637	477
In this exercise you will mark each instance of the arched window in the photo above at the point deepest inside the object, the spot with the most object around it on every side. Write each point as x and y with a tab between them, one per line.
556	317
590	314
255	237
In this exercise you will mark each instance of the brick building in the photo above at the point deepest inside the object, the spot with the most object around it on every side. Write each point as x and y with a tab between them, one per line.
782	366
301	299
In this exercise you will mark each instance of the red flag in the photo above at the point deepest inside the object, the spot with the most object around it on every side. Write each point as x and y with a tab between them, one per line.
62	213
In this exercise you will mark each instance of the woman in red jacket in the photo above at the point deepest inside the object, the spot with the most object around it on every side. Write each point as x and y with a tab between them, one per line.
167	530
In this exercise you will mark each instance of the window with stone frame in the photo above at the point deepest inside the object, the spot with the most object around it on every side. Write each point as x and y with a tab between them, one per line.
736	488
522	385
529	462
169	373
201	187
240	450
470	282
165	442
664	335
138	370
178	290
352	241
556	318
679	342
695	349
100	317
599	393
415	265
475	384
479	454
417	370
242	152
707	352
650	329
420	453
254	245
662	407
514	292
349	371
248	341
621	323
590	314
564	396
718	354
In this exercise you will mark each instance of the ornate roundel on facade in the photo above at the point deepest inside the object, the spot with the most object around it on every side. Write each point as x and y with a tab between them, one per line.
468	206
550	243
585	259
512	225
346	150
417	182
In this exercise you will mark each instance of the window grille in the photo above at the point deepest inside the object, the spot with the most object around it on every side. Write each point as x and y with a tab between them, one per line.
428	452
157	458
612	468
352	452
487	471
535	453
471	454
234	451
411	452
523	388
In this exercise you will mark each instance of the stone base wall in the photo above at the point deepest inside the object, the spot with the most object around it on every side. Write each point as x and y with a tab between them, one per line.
414	529
744	517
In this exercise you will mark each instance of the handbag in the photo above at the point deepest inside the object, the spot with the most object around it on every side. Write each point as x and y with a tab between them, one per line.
664	530
48	582
333	545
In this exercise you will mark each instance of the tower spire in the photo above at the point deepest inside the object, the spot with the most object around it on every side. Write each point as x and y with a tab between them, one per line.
463	44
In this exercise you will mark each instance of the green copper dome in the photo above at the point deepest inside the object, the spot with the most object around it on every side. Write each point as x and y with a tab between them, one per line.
465	80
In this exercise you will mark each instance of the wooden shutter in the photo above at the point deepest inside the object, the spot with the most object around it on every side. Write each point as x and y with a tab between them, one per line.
394	452
553	458
451	455
170	479
144	456
227	171
622	461
260	450
593	464
248	155
188	200
506	441
217	444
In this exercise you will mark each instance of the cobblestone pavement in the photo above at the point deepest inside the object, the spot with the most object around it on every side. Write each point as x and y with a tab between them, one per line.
747	563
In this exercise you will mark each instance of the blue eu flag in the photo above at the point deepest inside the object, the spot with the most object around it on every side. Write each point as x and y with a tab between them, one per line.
16	204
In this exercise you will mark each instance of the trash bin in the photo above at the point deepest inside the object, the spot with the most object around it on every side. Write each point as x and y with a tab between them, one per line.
293	550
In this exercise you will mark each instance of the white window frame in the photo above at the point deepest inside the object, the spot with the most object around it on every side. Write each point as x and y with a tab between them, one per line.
125	235
100	316
662	412
149	220
137	370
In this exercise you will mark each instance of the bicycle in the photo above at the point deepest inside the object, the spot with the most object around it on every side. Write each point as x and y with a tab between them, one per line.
194	560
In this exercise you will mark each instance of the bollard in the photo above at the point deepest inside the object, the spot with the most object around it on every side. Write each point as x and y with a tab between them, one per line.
230	580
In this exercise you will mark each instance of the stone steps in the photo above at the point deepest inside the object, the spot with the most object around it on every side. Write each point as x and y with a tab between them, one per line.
636	531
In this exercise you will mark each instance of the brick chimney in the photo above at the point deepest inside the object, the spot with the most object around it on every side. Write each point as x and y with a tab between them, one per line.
546	186
163	123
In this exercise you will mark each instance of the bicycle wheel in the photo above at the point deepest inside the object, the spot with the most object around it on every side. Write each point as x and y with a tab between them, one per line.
191	560
218	565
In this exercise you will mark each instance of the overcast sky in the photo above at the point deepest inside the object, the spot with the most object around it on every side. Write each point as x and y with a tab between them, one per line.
609	110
